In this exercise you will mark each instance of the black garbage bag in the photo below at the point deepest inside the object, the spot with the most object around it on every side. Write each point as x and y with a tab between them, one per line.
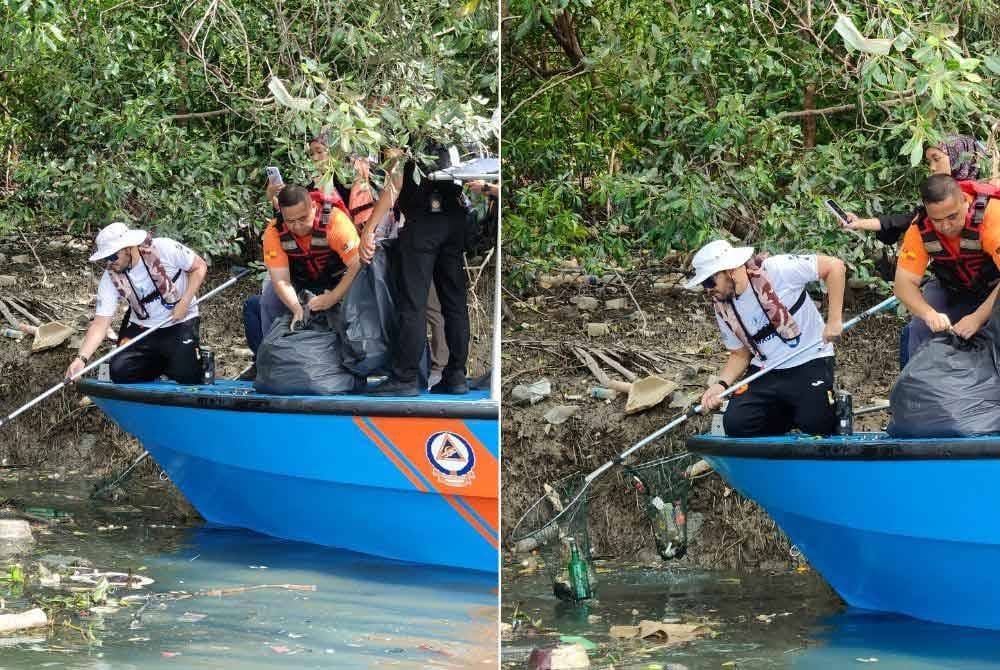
304	362
950	387
367	321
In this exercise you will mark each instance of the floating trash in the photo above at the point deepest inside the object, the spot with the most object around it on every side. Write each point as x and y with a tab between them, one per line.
122	580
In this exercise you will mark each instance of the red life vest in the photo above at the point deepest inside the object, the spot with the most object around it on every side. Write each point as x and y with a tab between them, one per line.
318	268
971	270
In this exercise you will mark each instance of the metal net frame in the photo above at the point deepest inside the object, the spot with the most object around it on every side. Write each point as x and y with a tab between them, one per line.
548	524
664	486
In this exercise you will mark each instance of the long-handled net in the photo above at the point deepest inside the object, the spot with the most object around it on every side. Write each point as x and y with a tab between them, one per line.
557	520
663	485
560	513
561	505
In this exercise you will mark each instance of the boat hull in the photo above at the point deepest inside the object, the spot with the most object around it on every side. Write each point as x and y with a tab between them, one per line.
414	481
904	526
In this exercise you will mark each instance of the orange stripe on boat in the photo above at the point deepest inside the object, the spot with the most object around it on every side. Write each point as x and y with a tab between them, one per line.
400	465
477	488
473	521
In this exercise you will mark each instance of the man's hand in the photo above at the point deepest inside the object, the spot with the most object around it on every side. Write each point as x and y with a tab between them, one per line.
832	331
367	249
938	322
74	369
710	399
854	222
969	325
180	309
318	303
297	319
272	192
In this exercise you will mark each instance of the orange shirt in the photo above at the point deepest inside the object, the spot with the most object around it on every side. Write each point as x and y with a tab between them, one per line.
914	258
341	234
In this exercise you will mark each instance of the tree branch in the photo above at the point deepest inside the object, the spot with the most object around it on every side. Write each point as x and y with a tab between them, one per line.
838	108
195	115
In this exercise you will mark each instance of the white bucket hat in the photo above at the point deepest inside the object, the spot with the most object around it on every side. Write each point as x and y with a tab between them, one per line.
115	237
714	257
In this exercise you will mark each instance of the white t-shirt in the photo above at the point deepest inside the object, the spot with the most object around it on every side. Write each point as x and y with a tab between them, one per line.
174	256
789	275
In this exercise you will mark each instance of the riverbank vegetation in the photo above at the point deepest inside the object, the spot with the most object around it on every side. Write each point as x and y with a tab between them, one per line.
165	114
639	126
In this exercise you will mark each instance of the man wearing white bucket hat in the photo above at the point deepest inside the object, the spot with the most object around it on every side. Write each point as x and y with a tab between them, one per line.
157	277
764	312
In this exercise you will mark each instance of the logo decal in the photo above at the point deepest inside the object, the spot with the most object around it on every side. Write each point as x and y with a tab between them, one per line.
452	458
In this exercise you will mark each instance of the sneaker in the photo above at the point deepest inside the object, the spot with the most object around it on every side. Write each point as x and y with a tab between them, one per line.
248	375
457	387
394	387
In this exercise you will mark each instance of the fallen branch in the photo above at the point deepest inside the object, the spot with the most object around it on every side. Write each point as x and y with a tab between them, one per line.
45	275
645	324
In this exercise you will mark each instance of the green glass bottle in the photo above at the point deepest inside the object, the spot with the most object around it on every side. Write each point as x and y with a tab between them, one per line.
579	578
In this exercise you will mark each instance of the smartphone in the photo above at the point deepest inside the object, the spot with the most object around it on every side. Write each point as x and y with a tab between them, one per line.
837	210
273	175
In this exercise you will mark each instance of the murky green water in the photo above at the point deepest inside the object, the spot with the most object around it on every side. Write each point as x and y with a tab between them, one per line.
788	620
363	613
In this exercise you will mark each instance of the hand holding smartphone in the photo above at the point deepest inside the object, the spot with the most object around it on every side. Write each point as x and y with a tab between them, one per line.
273	175
837	210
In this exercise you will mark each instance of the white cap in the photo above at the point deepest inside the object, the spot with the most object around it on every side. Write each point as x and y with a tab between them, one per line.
115	237
717	256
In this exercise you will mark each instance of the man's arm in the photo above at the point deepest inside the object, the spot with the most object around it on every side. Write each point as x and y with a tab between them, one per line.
195	278
91	342
281	280
833	272
385	202
332	296
907	288
731	372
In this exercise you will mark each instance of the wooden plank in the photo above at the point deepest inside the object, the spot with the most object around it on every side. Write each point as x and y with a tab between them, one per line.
615	365
28	315
7	315
592	365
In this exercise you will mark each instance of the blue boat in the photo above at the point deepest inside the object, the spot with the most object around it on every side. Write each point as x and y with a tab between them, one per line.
413	479
895	525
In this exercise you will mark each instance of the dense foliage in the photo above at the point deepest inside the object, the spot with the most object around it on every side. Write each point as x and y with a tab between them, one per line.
651	125
164	113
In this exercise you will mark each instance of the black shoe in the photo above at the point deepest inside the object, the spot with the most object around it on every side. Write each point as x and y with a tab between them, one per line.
248	375
395	387
451	387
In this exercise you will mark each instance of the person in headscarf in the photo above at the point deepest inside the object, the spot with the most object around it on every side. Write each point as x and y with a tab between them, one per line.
957	155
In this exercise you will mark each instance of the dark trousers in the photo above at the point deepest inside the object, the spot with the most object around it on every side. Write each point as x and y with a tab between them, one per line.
252	324
170	351
430	251
799	397
954	306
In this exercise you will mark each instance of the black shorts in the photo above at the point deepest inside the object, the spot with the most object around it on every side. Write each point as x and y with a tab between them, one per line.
801	397
170	351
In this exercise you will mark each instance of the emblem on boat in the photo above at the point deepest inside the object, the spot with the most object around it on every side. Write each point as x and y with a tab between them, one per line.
452	458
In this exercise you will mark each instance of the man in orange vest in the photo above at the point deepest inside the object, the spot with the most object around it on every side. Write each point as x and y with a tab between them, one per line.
312	246
960	240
